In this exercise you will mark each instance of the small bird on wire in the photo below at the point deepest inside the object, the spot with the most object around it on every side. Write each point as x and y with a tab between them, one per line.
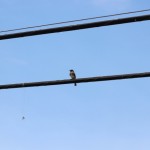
73	75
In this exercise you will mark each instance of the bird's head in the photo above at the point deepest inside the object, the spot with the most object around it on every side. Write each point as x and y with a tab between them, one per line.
71	70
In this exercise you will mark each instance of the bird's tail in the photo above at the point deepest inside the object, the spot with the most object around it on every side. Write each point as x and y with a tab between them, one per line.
75	84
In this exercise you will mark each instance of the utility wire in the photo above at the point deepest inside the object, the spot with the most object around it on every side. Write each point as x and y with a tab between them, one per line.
76	27
77	20
79	80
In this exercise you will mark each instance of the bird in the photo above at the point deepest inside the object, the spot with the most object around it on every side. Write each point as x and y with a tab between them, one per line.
73	76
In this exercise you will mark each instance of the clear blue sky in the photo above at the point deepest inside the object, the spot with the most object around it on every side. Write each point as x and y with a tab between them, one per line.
111	115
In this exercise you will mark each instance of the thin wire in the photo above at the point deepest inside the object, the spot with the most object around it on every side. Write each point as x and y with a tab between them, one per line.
75	27
77	20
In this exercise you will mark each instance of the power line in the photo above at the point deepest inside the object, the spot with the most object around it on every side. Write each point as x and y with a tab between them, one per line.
76	27
77	20
79	80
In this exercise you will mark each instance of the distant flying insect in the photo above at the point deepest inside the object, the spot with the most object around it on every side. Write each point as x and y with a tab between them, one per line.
23	118
73	75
